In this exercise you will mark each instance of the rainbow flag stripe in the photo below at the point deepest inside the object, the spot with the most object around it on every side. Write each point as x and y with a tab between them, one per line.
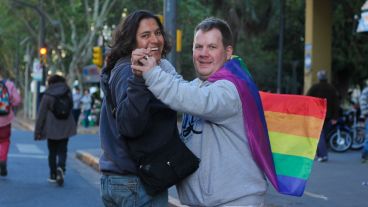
283	131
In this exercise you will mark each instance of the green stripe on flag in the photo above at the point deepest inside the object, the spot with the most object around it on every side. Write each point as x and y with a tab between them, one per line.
292	166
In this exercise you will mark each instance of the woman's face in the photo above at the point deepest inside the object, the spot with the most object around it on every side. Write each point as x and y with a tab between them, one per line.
149	35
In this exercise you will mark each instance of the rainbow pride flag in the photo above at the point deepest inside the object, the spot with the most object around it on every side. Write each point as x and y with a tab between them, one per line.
294	125
285	156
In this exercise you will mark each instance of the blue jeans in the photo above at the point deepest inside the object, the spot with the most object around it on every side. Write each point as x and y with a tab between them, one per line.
365	148
128	191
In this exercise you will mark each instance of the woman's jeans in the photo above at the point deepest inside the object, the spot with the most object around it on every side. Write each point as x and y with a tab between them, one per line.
128	191
57	154
365	148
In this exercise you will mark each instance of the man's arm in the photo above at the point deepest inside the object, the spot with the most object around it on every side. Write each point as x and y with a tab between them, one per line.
214	102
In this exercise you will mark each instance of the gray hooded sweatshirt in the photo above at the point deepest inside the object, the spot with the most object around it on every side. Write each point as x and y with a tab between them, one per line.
213	130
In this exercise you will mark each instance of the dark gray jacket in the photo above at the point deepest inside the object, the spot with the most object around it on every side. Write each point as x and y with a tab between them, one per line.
142	123
47	125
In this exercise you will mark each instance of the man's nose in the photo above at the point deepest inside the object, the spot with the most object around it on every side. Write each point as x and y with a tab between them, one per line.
203	52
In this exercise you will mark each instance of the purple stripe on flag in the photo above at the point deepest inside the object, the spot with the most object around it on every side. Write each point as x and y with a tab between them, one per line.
291	185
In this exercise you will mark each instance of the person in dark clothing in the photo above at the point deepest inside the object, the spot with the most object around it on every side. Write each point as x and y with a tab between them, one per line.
323	89
139	118
57	131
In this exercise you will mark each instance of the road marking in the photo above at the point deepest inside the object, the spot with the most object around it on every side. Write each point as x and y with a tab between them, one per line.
29	148
28	156
314	195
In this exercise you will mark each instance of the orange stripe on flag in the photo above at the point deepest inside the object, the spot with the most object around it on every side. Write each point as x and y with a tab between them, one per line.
296	104
304	126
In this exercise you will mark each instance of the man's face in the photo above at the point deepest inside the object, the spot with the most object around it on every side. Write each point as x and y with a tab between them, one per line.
209	53
149	36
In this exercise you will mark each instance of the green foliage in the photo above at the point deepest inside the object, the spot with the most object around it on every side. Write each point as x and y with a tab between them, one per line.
191	12
255	25
349	48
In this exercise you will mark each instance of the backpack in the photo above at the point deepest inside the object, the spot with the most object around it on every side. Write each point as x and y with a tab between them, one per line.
5	106
62	106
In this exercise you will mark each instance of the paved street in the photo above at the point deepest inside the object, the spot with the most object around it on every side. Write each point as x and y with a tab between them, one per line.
26	184
335	183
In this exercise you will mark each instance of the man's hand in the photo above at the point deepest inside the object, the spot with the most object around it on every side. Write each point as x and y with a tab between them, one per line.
147	63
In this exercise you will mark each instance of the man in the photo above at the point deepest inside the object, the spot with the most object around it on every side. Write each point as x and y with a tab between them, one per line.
363	102
9	97
323	89
213	125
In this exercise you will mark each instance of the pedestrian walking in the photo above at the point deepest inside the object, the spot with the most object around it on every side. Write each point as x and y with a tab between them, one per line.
136	129
363	102
86	101
323	89
55	123
9	98
213	122
77	96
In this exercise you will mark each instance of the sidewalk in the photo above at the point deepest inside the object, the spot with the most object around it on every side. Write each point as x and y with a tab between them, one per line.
28	124
88	157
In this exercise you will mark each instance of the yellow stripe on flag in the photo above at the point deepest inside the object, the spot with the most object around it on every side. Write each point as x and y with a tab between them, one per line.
304	126
293	145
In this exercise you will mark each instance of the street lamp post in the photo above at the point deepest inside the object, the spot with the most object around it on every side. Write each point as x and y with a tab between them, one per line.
170	25
41	41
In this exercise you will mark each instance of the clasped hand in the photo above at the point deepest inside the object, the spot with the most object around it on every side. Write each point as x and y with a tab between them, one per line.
142	61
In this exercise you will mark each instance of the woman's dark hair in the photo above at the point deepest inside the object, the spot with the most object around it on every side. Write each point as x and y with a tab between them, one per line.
124	37
211	23
55	79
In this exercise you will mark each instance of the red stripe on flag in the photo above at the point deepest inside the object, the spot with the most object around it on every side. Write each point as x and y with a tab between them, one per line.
296	104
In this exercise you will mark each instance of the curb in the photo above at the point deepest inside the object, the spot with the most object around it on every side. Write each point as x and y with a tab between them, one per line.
88	159
92	161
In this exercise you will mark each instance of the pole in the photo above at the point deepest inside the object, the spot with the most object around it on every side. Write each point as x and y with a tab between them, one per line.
281	46
41	41
170	26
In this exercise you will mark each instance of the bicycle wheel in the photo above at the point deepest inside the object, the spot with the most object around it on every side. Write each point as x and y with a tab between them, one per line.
340	140
358	140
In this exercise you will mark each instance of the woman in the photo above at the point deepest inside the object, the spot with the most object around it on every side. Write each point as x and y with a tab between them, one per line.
9	97
57	131
131	118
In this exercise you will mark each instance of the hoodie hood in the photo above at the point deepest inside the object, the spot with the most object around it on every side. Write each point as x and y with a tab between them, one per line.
57	89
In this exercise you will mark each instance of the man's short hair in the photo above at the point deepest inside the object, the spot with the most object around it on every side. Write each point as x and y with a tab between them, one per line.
211	23
321	75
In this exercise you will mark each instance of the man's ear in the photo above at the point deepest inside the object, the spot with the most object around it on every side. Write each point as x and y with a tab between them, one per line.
229	52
